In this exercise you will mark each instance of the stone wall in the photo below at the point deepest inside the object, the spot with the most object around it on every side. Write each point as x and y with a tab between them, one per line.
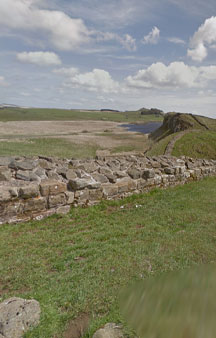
32	188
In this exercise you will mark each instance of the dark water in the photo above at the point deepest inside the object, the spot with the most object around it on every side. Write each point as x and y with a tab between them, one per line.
146	128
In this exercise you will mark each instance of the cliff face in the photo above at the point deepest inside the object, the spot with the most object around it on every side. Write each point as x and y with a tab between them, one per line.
177	122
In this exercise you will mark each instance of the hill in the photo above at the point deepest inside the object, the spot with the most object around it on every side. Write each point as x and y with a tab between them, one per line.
185	134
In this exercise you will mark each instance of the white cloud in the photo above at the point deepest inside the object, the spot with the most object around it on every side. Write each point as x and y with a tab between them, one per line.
204	37
127	41
66	71
39	58
2	81
175	75
62	31
97	80
176	41
152	37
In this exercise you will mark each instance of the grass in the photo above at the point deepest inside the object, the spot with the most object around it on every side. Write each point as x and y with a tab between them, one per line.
79	262
42	114
55	147
158	148
197	145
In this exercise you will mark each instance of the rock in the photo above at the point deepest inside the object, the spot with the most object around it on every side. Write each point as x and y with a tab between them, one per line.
28	191
5	194
110	190
44	164
23	175
110	330
17	316
69	197
169	171
40	172
82	183
70	174
23	165
100	178
34	204
134	173
56	200
148	173
5	174
5	161
52	187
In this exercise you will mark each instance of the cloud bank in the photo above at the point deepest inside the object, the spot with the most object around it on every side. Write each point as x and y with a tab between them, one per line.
203	38
39	58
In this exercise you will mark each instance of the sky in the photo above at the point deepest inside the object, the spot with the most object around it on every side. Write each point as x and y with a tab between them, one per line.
117	54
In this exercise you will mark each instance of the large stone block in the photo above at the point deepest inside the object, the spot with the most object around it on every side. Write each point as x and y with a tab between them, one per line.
82	183
148	173
24	165
110	190
56	200
5	174
28	191
52	187
35	204
95	195
7	193
81	196
69	197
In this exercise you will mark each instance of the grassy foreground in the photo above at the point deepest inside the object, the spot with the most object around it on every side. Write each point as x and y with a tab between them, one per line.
79	263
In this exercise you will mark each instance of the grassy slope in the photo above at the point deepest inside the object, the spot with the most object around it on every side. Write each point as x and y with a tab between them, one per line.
197	144
80	262
36	114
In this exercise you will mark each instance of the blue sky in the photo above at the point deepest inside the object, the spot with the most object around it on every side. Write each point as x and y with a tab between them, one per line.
123	54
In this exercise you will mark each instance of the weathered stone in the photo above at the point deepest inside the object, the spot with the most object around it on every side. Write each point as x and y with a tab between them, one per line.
88	167
40	172
52	187
95	195
100	178
28	191
63	210
56	200
5	194
11	209
5	174
134	173
82	195
110	330
114	165
110	190
83	183
69	197
23	165
23	175
52	175
34	204
44	164
148	173
105	171
17	316
169	171
70	174
141	184
5	161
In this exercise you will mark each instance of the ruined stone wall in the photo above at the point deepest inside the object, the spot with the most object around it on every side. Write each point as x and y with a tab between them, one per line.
32	188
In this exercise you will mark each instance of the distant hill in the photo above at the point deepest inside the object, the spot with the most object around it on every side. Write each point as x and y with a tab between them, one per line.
152	111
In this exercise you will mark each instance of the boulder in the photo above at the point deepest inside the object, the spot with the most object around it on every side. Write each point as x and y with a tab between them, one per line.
17	316
110	330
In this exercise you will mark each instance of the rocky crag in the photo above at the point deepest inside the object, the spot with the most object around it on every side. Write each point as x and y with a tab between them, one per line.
32	188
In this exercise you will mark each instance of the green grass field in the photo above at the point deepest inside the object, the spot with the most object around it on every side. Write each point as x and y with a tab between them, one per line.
80	262
54	147
42	114
197	144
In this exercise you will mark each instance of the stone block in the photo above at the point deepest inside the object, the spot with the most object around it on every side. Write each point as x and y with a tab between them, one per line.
134	173
5	161
71	174
23	165
148	173
95	195
63	210
69	197
5	194
5	174
52	187
56	200
23	175
100	178
110	190
82	183
34	204
29	191
81	196
169	171
141	184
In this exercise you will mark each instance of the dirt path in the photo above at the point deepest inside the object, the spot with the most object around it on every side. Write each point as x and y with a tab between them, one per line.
171	144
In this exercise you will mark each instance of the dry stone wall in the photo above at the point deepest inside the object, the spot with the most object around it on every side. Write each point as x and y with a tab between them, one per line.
32	188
